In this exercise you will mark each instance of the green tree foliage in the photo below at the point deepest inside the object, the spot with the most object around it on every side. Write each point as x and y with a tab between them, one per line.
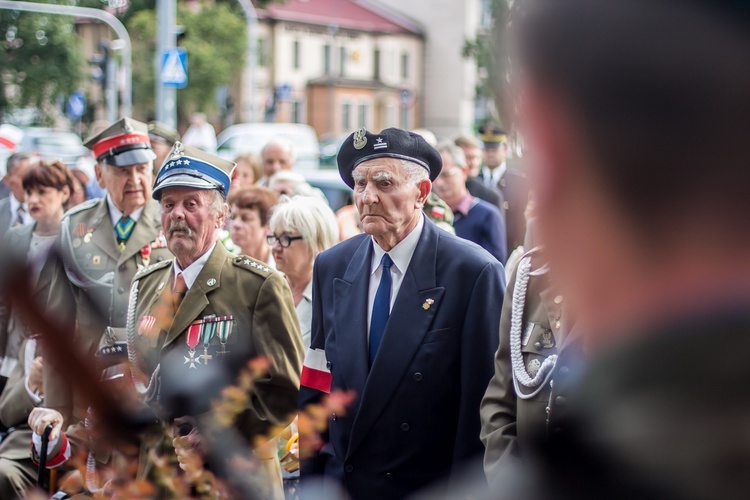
215	42
490	52
40	58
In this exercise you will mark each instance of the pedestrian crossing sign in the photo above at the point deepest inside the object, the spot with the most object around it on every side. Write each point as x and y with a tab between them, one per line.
174	70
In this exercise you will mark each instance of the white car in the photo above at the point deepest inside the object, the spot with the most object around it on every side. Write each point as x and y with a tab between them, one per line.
251	137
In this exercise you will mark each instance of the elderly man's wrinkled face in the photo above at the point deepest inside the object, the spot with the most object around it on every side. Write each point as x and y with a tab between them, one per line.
275	158
388	203
190	222
129	187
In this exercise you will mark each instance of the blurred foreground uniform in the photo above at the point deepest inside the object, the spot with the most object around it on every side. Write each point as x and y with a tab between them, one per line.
518	407
90	286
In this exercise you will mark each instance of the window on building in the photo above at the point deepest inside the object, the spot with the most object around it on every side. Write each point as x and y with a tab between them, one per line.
404	66
296	111
327	59
376	65
295	54
342	60
362	115
404	112
346	116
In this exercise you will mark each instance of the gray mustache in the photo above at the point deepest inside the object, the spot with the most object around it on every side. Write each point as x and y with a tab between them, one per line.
179	226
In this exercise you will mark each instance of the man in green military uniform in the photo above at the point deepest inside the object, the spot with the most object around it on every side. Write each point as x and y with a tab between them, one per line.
209	310
103	243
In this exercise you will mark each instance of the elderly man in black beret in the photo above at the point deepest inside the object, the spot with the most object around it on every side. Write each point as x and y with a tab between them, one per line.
406	316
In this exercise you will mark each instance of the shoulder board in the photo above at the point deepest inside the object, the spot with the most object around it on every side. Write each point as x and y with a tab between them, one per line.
86	205
153	267
253	265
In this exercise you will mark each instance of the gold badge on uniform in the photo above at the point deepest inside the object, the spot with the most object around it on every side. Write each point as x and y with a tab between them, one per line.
427	304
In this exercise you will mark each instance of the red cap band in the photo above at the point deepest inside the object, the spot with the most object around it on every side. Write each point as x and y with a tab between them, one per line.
117	141
7	143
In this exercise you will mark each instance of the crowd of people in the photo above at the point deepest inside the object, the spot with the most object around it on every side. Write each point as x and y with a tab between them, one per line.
212	327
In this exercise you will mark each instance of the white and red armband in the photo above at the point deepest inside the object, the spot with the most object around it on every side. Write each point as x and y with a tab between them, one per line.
316	373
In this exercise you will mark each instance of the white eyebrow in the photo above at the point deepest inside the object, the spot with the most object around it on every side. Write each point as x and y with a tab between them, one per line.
382	176
357	176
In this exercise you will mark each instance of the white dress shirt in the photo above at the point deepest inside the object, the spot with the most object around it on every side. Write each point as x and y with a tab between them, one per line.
191	272
401	256
492	178
304	315
115	215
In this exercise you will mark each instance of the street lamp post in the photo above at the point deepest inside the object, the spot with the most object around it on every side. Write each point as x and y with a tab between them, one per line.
252	24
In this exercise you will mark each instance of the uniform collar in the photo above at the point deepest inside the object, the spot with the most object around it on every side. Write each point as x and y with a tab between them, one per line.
494	175
191	272
402	253
115	215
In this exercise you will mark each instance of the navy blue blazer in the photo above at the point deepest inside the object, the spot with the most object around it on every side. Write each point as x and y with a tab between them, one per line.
484	226
416	415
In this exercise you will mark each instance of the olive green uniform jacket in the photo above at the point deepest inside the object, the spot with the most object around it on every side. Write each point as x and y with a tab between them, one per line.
509	423
90	286
263	324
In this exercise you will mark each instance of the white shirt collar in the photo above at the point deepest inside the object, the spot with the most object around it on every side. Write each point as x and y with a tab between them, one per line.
115	215
191	272
402	253
495	175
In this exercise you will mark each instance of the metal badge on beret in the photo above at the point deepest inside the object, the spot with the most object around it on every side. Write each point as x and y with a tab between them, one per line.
360	139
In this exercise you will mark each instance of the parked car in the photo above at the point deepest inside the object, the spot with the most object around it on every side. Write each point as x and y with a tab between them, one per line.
329	181
251	137
329	149
53	144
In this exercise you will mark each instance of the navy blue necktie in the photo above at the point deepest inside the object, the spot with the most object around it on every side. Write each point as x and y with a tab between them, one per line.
381	308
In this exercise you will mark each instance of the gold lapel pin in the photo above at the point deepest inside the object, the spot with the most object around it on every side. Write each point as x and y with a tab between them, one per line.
427	304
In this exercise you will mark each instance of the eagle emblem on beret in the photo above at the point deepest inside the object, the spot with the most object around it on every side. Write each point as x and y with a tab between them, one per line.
360	140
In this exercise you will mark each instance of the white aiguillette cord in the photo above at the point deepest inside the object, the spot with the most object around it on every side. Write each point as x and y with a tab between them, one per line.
516	322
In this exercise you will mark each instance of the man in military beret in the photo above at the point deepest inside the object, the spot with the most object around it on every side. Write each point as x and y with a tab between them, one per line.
509	183
162	139
406	316
103	242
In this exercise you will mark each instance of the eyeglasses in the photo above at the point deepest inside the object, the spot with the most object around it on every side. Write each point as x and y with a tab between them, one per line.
284	240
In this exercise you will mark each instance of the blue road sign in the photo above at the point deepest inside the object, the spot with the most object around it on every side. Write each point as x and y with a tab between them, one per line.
76	105
174	68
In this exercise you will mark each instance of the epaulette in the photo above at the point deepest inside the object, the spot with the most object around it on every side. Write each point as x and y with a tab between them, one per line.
86	205
153	267
250	264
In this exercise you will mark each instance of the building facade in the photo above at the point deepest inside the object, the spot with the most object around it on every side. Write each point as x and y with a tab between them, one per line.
450	93
339	65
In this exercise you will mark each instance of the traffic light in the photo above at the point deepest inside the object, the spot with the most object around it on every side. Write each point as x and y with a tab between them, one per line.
99	64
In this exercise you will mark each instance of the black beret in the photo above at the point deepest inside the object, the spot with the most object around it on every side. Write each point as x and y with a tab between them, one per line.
390	143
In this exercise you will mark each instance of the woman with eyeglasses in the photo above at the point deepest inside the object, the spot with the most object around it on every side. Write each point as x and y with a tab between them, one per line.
301	228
